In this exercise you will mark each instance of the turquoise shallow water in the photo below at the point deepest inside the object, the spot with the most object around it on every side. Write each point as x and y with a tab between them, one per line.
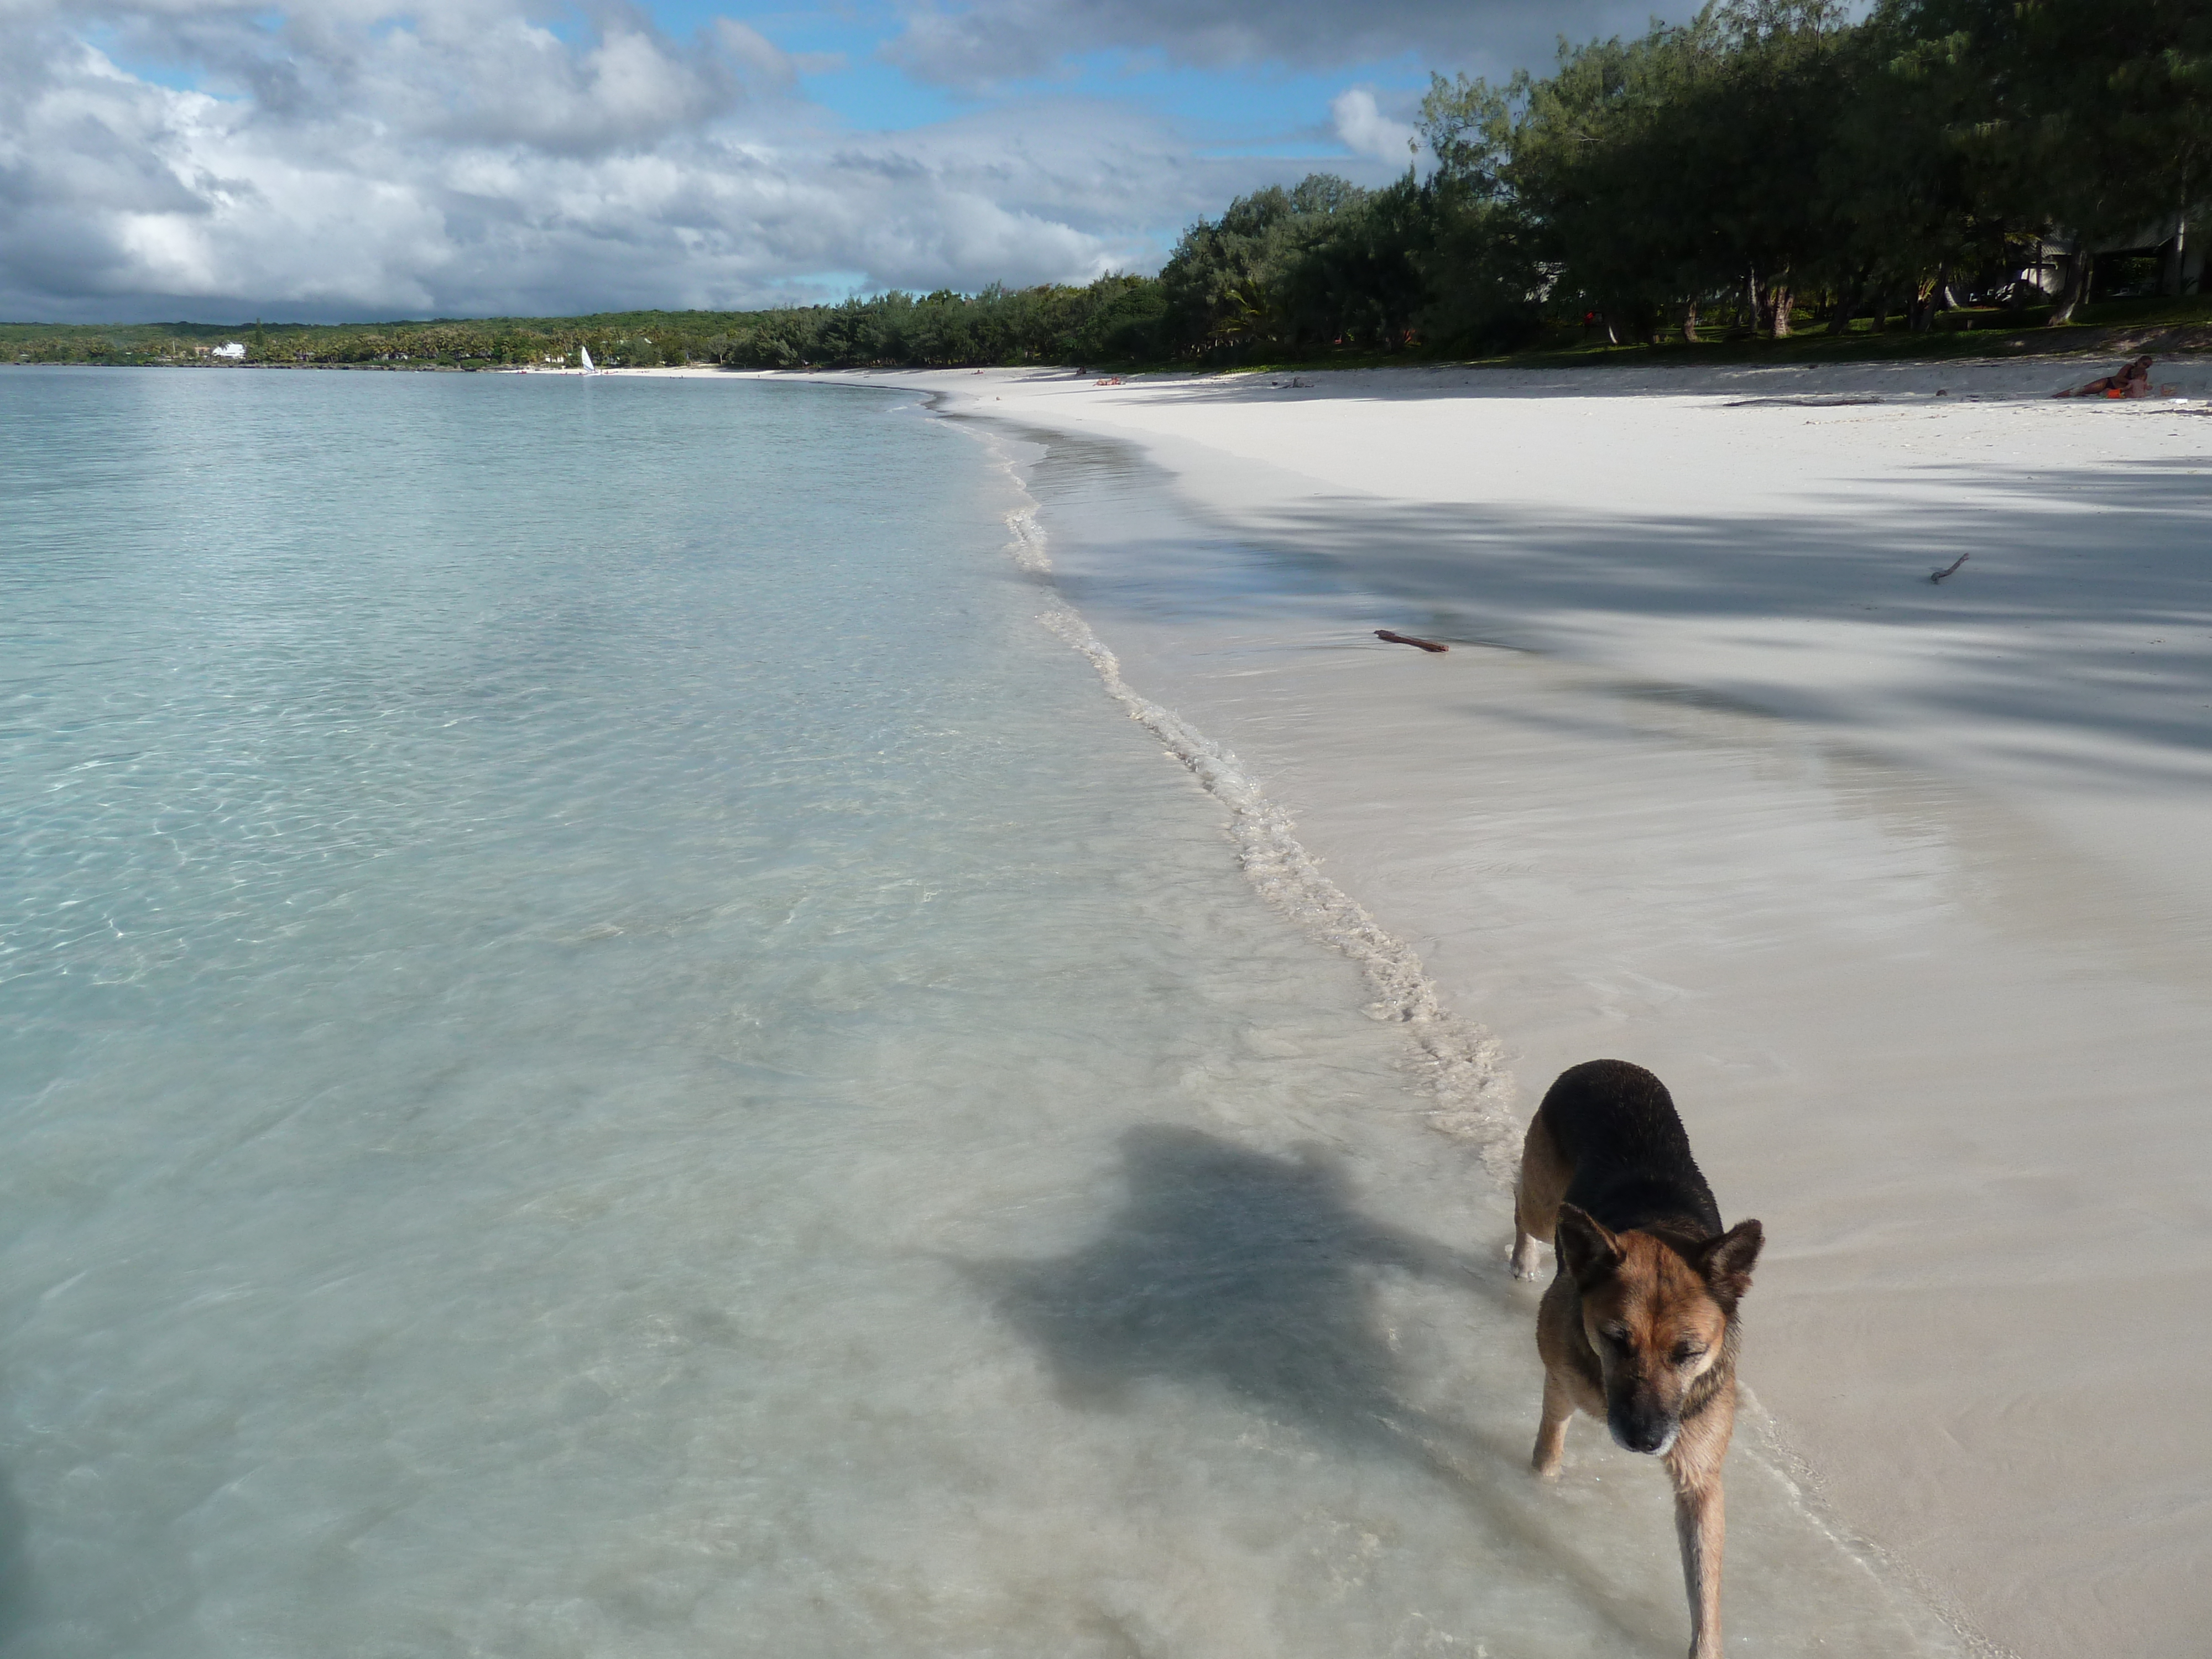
607	1050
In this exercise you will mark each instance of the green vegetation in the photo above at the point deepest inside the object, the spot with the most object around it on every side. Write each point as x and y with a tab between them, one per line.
1114	319
1909	183
1767	164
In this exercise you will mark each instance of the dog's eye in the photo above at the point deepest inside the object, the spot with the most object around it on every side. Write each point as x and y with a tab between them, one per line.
1687	1355
1615	1333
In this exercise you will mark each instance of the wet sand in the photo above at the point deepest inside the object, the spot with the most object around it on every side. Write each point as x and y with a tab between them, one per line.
1901	886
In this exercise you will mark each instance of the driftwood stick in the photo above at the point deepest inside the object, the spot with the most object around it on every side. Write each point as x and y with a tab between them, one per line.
1938	575
1407	639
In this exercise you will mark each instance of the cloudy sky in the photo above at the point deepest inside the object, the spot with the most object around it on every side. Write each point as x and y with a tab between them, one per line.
353	158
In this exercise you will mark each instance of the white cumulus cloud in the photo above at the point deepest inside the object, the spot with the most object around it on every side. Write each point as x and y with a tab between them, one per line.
465	160
1367	132
324	159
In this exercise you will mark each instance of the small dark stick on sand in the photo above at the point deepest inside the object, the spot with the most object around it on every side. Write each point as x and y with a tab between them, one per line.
1407	639
1938	575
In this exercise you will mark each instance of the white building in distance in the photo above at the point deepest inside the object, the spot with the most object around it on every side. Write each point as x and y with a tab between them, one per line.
234	352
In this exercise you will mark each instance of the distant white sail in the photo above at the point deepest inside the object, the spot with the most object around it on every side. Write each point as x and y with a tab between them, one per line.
585	351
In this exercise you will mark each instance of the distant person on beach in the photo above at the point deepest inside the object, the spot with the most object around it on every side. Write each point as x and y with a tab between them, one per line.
2133	380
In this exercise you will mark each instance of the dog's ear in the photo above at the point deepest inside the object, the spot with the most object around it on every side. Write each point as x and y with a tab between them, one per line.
1586	1249
1726	1262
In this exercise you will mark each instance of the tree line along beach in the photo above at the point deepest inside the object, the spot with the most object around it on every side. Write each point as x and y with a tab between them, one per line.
1929	171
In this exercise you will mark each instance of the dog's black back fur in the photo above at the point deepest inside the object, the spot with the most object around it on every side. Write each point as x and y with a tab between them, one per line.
1616	1125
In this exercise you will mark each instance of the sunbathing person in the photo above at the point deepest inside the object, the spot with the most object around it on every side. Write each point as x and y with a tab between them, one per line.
2133	380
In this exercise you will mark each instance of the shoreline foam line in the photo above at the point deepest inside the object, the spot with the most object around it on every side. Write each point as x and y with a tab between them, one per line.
1460	1063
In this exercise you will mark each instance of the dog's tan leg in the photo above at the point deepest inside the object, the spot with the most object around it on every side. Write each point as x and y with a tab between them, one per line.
1552	1437
1702	1525
1700	1517
1537	1196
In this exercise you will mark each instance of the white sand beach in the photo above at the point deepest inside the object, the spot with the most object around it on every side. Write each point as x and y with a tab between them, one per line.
1904	888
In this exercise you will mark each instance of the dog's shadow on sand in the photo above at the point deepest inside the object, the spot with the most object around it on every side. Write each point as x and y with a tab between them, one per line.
1229	1268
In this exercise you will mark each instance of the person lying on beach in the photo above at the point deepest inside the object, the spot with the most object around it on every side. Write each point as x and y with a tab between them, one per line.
2133	380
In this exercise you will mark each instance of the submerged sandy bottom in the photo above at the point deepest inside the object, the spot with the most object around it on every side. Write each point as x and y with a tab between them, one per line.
557	1105
1903	888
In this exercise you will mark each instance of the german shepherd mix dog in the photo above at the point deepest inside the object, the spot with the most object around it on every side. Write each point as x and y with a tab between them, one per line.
1638	1326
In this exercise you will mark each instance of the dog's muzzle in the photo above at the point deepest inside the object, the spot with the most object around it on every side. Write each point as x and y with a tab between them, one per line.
1649	1432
